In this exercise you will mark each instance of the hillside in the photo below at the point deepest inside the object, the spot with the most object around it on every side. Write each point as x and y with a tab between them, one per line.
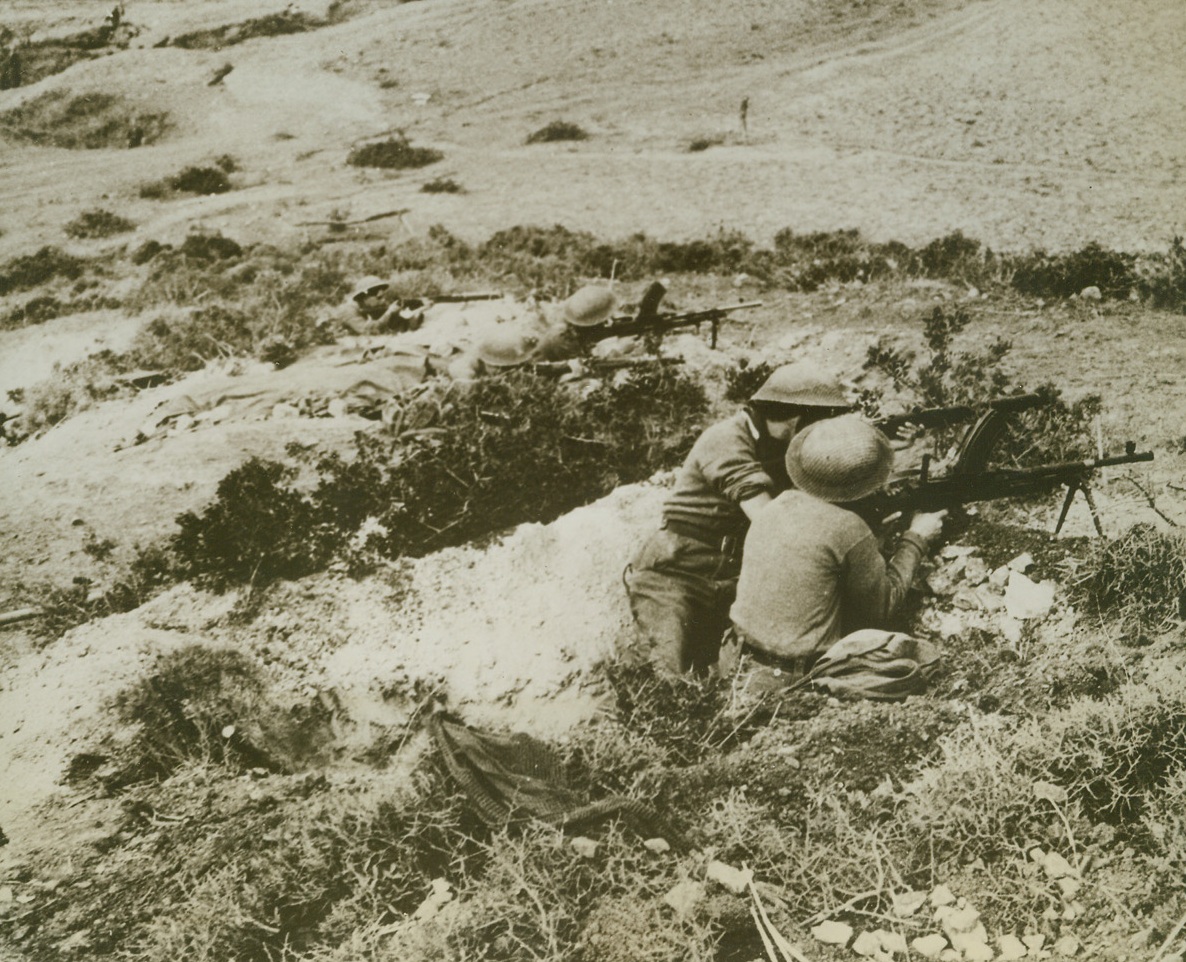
199	764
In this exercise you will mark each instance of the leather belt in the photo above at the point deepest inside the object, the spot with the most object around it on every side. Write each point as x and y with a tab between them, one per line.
795	667
685	530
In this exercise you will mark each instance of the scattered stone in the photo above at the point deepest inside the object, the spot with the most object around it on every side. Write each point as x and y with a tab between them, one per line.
832	933
957	551
1034	942
1036	854
1091	293
1072	911
684	896
657	845
1022	563
1070	886
975	571
1011	947
1067	946
442	893
907	903
929	946
941	895
1026	599
989	598
941	581
734	879
976	951
338	408
584	847
867	944
1055	866
966	599
1009	627
1000	577
950	955
961	920
892	942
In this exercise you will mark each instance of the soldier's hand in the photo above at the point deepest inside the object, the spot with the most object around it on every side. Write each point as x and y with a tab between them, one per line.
927	525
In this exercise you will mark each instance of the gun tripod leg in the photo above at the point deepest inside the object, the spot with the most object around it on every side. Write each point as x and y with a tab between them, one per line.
1095	517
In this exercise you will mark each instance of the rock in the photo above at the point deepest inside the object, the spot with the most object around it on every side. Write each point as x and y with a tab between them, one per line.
1051	793
442	893
735	880
337	408
657	845
989	598
942	895
975	571
584	847
966	599
1070	886
832	933
1055	866
684	896
907	903
950	625
1024	599
1067	946
867	944
950	955
941	581
1009	627
929	946
1091	293
1034	942
976	951
892	942
957	551
961	920
1022	563
1011	947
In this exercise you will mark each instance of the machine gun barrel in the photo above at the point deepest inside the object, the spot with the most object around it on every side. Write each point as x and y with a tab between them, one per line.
920	493
658	323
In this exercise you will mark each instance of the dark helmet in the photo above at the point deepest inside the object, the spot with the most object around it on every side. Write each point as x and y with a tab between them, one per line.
801	385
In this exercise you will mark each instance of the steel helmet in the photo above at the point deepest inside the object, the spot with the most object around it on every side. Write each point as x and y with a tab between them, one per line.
367	285
839	459
506	345
589	306
801	385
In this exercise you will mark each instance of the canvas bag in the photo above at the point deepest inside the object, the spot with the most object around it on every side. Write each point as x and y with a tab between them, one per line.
876	664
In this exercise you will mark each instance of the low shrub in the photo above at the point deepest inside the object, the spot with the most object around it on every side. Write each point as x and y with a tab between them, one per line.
557	130
1162	280
256	530
395	153
442	185
1138	578
191	180
33	270
463	481
700	144
273	25
1066	275
84	121
98	223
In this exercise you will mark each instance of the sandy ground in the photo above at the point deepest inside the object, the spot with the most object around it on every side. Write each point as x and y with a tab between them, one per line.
1020	124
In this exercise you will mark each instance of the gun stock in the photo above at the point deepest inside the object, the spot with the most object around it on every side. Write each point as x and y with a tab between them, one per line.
938	418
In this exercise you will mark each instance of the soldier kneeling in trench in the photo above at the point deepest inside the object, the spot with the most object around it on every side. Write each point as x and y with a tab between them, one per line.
815	593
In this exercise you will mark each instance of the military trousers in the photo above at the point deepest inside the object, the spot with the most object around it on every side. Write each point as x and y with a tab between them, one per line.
680	590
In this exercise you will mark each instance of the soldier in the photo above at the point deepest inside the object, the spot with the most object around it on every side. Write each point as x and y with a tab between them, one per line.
682	580
370	308
813	574
589	306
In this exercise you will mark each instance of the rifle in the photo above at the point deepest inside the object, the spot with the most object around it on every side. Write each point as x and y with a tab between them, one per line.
597	366
939	418
648	320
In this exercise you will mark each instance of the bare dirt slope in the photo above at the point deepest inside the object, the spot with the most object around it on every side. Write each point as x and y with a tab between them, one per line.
1022	124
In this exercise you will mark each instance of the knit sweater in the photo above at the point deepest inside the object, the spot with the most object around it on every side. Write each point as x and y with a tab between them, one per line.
811	572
